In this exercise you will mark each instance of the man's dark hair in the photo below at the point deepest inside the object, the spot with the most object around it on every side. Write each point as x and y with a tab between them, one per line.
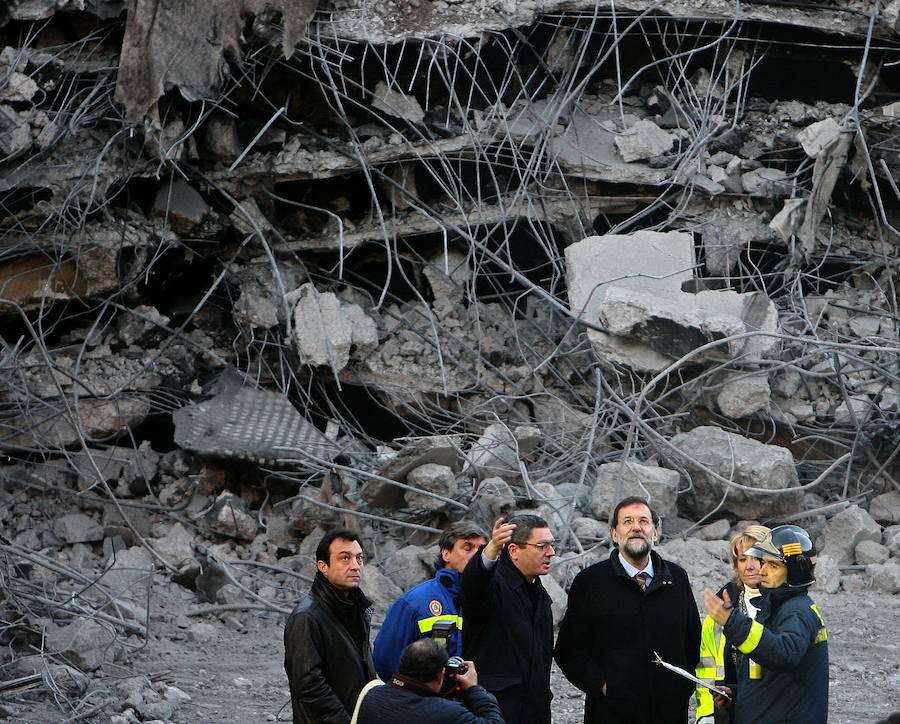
422	659
525	523
322	553
631	500
460	530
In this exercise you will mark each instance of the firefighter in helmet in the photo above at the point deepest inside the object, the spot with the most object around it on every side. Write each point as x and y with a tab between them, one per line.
782	669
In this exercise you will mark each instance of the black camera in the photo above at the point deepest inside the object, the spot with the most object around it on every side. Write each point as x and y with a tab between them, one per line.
455	665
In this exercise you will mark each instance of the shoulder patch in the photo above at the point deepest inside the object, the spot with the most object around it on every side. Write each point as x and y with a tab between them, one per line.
436	608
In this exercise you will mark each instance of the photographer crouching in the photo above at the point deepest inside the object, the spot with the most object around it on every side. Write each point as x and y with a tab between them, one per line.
416	693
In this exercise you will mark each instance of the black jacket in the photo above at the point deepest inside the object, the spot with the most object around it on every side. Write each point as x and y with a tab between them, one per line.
392	705
327	655
610	633
508	633
789	643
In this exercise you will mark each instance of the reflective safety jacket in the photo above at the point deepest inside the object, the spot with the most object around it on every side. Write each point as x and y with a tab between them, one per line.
715	665
789	646
413	615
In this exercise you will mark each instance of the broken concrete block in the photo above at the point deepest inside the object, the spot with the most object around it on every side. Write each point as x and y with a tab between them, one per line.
756	311
588	529
885	577
743	394
786	222
129	571
326	328
885	508
407	567
202	633
77	528
498	450
126	470
256	311
84	644
440	449
558	599
448	274
397	104
828	574
180	205
615	481
493	499
666	324
844	531
229	515
719	530
643	140
176	544
380	590
15	133
890	537
817	137
646	261
434	478
766	182
766	469
868	551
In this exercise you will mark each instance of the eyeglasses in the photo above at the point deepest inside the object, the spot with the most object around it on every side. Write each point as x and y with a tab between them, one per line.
542	546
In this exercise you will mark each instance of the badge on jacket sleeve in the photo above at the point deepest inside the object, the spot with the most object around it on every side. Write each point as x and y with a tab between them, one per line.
436	608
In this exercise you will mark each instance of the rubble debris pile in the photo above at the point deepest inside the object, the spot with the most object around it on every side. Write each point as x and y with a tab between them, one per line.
389	265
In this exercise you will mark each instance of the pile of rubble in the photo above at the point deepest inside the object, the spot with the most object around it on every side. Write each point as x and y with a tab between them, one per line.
392	264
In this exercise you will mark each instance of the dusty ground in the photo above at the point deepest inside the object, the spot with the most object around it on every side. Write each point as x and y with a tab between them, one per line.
238	678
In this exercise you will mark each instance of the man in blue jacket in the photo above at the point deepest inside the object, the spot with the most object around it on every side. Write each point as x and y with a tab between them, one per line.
782	673
415	613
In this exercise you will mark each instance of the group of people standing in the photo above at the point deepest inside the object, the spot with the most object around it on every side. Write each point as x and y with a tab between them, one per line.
761	653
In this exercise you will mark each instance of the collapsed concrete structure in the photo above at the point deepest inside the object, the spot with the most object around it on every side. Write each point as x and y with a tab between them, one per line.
451	258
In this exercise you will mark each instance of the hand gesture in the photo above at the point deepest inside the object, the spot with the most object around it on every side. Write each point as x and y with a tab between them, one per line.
718	608
499	537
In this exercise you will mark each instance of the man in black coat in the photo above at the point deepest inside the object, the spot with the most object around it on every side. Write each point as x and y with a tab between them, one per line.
621	612
327	655
413	695
508	630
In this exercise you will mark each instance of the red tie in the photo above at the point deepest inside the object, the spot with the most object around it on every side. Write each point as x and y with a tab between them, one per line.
641	577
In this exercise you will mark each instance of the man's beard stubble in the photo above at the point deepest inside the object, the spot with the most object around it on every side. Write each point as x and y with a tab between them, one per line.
637	547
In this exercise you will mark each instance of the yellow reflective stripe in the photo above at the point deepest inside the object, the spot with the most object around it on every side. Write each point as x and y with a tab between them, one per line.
705	704
753	638
720	654
822	634
426	624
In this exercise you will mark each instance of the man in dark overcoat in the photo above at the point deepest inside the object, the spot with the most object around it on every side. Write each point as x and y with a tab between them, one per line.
621	613
508	630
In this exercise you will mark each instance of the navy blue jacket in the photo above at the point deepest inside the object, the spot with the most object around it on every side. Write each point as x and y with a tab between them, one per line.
392	705
789	643
413	615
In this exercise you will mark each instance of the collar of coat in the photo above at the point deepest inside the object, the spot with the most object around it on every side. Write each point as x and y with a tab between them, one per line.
449	579
662	574
341	606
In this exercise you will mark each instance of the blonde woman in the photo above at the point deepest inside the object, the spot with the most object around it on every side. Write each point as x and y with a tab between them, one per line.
717	657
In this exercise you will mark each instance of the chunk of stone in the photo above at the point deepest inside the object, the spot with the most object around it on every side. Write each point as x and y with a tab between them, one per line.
129	571
493	499
845	531
766	469
380	590
890	537
438	449
202	633
868	551
15	133
828	574
126	470
407	567
643	140
498	450
766	182
885	577
717	530
175	545
77	528
616	481
229	515
180	205
885	508
742	394
552	506
588	529
326	328
819	136
558	598
256	311
397	104
434	478
84	644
